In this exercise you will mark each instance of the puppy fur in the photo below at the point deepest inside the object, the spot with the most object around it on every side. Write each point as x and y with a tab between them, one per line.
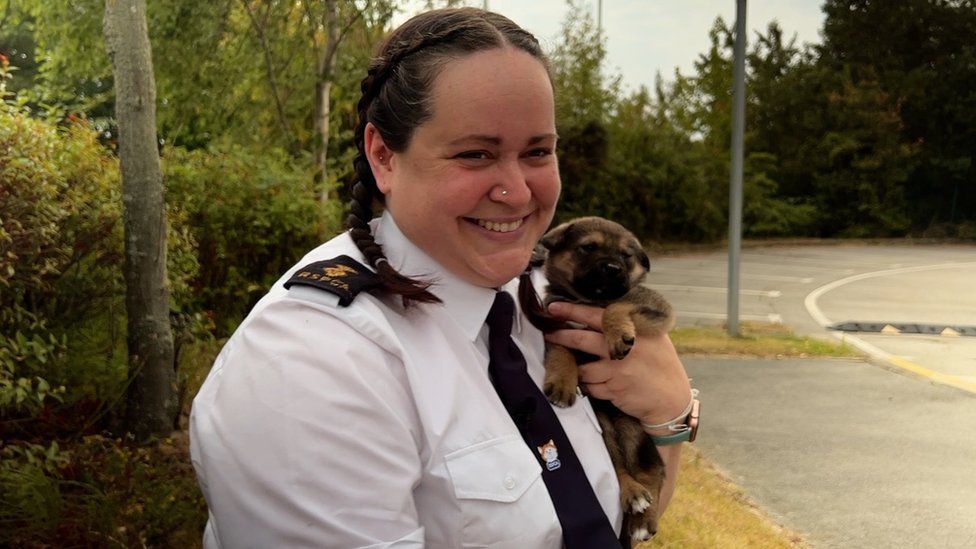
595	261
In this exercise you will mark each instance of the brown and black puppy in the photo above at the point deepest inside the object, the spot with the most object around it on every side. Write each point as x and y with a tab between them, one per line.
594	261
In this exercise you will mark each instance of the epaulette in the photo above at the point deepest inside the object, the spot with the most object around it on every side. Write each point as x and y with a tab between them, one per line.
343	276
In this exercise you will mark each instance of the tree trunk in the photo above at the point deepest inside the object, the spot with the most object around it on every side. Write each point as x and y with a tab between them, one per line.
323	89
151	397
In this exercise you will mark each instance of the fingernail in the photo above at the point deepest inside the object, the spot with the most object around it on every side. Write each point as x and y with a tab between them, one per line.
557	308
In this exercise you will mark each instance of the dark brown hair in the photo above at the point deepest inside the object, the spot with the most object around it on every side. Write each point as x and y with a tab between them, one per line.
396	100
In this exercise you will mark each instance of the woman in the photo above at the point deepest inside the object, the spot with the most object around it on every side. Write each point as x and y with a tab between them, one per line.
332	419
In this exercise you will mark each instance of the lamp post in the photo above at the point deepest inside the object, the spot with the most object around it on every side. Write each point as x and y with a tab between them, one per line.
599	17
735	177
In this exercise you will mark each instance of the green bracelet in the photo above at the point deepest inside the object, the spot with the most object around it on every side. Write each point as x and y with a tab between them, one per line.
664	440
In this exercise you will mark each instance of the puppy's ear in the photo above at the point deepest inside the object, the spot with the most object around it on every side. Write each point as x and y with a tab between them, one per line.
556	238
642	257
539	256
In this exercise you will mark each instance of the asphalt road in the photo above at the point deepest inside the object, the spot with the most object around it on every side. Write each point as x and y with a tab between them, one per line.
810	287
873	453
848	454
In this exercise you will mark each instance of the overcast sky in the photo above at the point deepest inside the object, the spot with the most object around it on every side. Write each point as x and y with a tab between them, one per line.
646	36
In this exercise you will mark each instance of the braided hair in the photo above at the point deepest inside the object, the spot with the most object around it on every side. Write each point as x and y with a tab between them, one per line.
396	100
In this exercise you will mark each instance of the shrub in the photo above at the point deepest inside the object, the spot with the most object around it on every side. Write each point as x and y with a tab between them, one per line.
59	243
251	215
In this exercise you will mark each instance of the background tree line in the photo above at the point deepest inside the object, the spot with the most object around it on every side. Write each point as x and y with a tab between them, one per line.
868	134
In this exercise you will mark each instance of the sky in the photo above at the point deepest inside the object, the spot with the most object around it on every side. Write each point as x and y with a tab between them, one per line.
647	36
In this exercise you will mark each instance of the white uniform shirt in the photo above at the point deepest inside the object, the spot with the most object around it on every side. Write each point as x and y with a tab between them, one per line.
375	426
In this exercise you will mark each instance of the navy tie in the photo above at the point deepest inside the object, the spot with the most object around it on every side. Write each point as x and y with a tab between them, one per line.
584	524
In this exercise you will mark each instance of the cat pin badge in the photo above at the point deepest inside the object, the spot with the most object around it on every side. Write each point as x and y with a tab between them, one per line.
550	455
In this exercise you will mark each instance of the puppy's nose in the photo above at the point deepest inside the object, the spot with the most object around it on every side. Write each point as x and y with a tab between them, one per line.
610	268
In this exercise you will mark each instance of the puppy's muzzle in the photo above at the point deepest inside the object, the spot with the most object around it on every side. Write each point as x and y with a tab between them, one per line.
606	280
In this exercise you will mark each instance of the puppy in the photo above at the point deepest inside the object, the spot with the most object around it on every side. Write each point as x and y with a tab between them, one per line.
594	261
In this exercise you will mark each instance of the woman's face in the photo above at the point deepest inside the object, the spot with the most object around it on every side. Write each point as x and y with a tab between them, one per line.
478	183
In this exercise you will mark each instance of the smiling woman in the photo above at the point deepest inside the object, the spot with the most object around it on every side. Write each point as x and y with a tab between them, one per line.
367	400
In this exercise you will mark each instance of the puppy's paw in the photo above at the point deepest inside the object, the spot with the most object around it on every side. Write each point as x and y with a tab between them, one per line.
641	502
634	496
643	526
641	534
559	394
620	346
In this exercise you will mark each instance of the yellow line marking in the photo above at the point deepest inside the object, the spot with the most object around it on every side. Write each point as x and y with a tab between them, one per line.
946	379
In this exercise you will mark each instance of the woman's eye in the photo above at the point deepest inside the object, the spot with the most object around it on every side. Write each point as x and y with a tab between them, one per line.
540	152
474	155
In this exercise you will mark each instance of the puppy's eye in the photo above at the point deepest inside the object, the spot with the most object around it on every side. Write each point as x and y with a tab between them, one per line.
628	255
588	248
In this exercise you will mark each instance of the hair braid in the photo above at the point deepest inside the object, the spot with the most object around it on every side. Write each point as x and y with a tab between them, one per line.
361	211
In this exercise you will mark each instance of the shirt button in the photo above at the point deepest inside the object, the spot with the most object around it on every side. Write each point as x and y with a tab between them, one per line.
509	483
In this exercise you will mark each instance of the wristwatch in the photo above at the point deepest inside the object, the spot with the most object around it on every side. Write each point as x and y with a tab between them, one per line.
685	429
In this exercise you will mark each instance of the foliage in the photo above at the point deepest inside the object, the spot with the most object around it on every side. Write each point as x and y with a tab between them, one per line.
62	355
250	215
98	492
58	243
583	105
916	62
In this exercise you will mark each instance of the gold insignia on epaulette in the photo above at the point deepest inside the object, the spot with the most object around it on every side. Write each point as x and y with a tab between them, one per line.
340	271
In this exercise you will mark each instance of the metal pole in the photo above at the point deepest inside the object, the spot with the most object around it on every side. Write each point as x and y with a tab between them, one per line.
599	18
735	178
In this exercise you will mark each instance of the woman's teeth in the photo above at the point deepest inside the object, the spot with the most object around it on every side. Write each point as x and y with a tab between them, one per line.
500	227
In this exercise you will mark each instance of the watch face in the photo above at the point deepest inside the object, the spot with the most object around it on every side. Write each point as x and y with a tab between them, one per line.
693	420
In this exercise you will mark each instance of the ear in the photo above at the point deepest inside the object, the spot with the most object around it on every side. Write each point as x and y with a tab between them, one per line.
556	238
642	257
380	157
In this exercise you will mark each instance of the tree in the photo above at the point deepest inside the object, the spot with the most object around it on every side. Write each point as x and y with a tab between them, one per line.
920	57
584	102
151	401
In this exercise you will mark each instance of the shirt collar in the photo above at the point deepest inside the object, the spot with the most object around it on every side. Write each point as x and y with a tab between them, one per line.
466	303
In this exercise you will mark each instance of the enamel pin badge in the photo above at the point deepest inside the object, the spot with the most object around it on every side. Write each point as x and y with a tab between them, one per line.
550	455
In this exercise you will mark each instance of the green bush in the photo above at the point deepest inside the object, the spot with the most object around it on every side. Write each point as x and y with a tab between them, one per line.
100	492
62	315
251	215
237	218
59	243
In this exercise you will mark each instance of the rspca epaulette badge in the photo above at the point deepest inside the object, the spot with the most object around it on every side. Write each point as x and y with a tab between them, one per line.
343	276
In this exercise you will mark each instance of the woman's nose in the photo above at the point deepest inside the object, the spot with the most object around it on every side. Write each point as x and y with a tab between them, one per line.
512	185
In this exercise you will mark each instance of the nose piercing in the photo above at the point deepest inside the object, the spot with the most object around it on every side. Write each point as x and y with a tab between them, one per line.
504	192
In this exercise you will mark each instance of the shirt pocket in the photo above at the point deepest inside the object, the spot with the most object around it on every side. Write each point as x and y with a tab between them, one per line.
501	495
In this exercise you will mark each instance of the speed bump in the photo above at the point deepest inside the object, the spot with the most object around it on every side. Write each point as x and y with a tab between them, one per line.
948	330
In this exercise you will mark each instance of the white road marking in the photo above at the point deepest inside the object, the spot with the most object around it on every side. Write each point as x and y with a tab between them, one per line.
811	300
715	290
811	304
744	276
771	317
787	262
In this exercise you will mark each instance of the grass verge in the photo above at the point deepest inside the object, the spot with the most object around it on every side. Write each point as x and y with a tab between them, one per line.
756	339
708	511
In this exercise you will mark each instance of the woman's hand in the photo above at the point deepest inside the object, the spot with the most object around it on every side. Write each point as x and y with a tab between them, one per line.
650	383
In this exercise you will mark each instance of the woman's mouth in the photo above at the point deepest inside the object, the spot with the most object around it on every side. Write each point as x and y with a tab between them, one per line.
498	227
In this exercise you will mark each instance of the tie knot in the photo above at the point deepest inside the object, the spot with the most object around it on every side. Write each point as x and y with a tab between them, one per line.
501	315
